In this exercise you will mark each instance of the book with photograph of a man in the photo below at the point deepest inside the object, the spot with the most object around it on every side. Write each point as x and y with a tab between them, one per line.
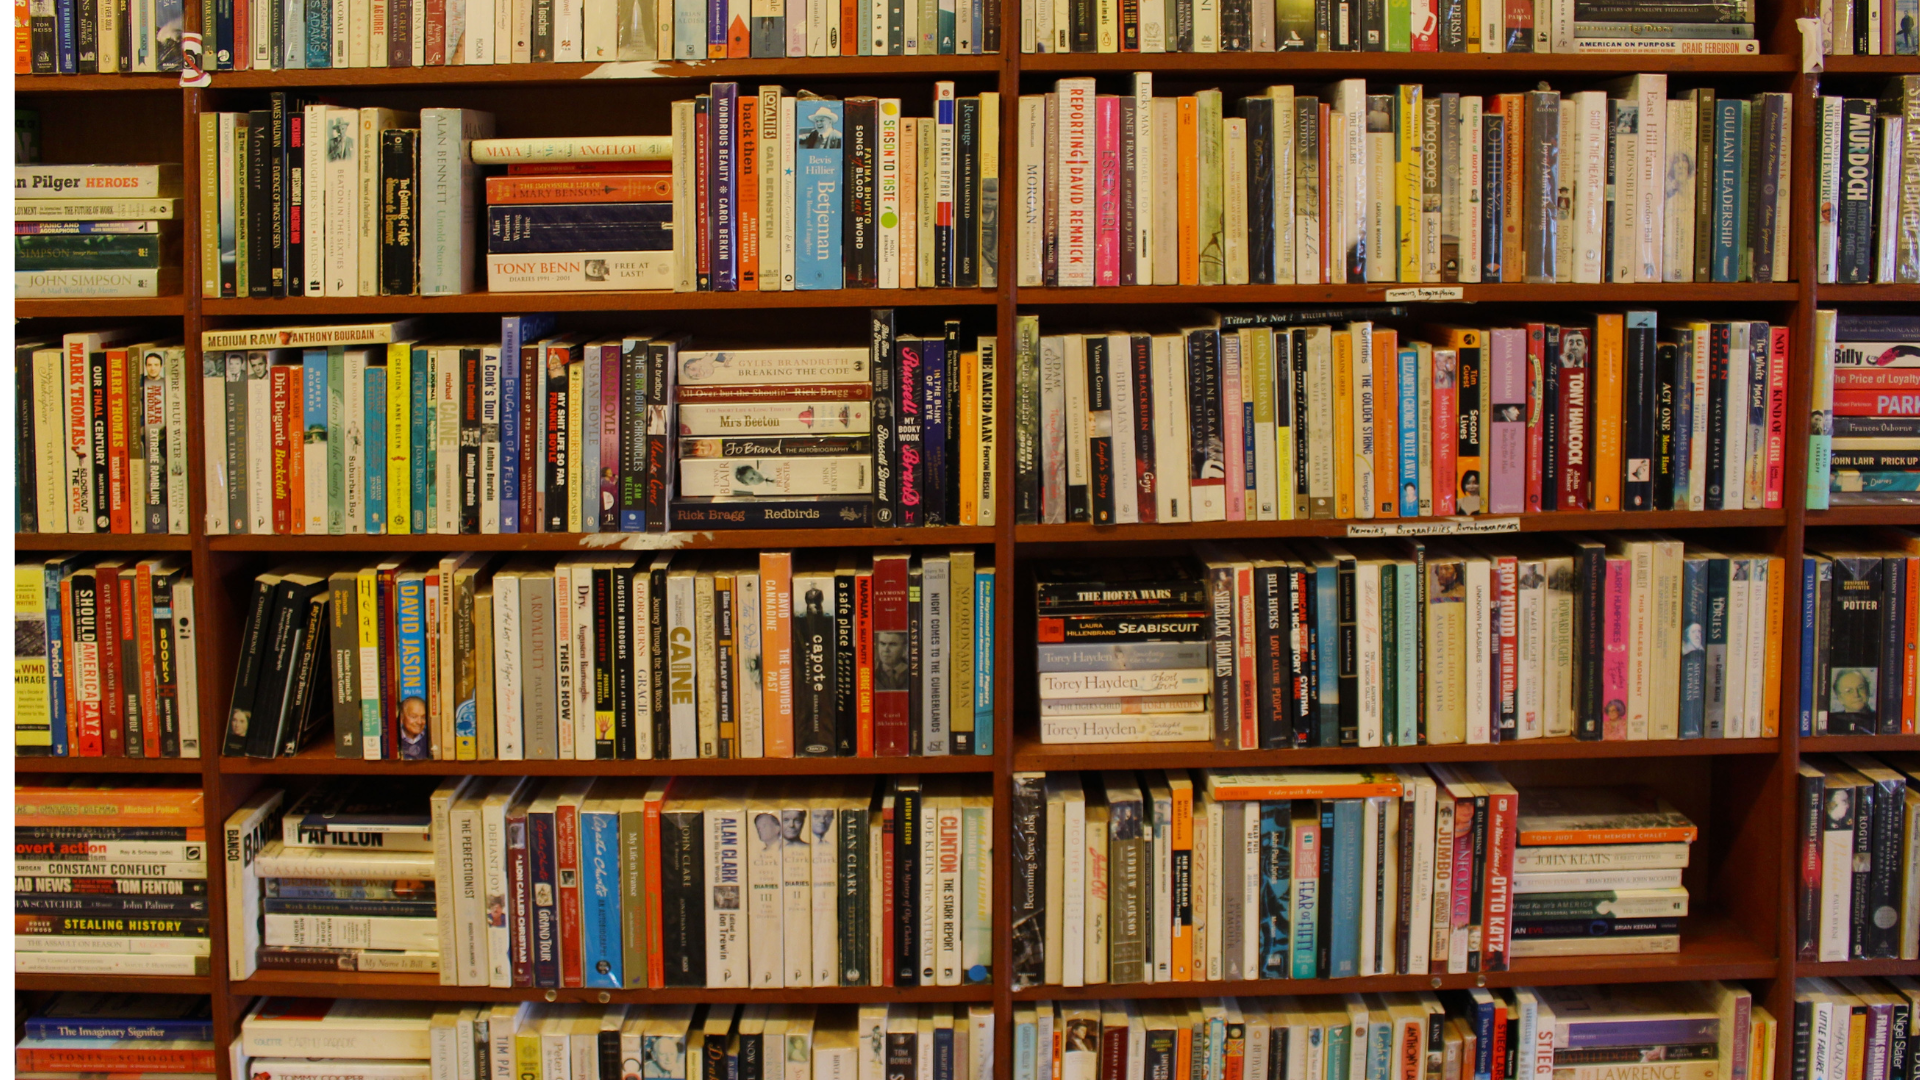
1856	645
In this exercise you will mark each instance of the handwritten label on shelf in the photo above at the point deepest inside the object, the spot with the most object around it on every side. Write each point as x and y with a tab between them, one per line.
1426	292
1453	526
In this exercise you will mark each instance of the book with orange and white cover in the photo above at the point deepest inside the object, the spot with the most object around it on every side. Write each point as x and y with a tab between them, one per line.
1600	815
1262	785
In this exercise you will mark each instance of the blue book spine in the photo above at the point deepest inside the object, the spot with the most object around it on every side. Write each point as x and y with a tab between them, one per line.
410	639
546	916
933	431
723	117
689	36
578	227
600	898
420	439
1693	649
510	339
1483	1037
818	194
42	1027
375	455
1343	948
590	390
1276	883
1380	1051
1407	363
1726	190
1216	1047
319	33
68	42
983	636
1327	664
943	1053
717	28
56	661
1809	635
1026	1042
1306	901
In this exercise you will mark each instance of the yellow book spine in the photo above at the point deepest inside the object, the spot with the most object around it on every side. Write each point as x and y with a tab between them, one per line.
366	590
1473	24
1188	151
1608	336
526	1053
1407	179
1776	612
576	404
1386	423
399	437
1342	424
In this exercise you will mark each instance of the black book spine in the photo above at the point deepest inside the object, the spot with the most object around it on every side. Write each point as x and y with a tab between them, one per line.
1303	423
906	886
276	237
1854	243
1719	349
1813	797
910	474
1027	894
1271	659
1207	428
683	918
814	720
469	391
542	44
1892	649
1589	610
902	1056
1666	368
855	909
1494	195
97	440
259	199
606	674
1638	410
399	211
294	158
1550	416
1898	1040
1260	209
1080	24
1883	903
556	402
1220	642
862	231
966	193
1026	424
659	436
1099	429
310	673
633	437
943	455
166	666
846	704
608	1046
1236	25
882	370
26	490
1373	26
990	27
270	695
1348	623
1861	896
246	674
44	35
625	700
1143	458
1802	1036
656	660
916	729
1305	703
713	1056
86	38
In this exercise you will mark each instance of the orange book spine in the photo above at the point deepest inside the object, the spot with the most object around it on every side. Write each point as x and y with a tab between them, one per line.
581	188
849	27
296	450
969	421
149	679
119	494
1182	1053
863	662
1776	611
1188	169
1513	249
1182	849
22	38
739	40
776	651
1606	412
1343	424
747	193
1386	423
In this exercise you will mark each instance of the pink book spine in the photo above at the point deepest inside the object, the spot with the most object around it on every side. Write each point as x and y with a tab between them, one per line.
796	27
1613	660
1234	423
1506	585
1777	416
1446	419
1460	895
1506	458
1536	406
609	508
1106	241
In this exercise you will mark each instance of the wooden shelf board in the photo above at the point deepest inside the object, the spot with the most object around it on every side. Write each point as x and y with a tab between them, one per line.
614	543
70	84
1029	755
305	307
23	764
1866	514
1898	293
1854	744
428	988
1254	530
319	759
534	74
1495	65
1872	65
1838	968
1785	292
120	984
131	542
102	308
1713	952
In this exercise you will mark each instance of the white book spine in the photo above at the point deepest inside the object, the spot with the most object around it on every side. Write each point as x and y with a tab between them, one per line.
727	929
1757	585
1677	243
1367	594
1233	148
48	383
342	204
1651	213
1166	191
763	920
585	737
469	906
1479	652
1639	640
1533	640
683	710
1073	927
1420	802
787	212
795	953
948	835
1734	489
889	186
493	835
1590	180
1074	195
684	267
600	36
823	824
1126	486
507	706
354	424
1031	234
1370	810
1363	433
1284	165
1474	162
259	445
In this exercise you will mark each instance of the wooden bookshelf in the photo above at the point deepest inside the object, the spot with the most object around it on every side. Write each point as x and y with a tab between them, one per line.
1743	790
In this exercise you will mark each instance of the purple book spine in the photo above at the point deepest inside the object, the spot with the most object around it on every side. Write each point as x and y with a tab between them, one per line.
610	437
1665	1031
1613	659
1506	458
724	117
575	227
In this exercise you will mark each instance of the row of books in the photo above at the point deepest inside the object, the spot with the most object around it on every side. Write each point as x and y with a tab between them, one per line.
1412	643
1865	435
1859	626
73	1035
1701	27
305	1039
101	429
376	428
304	198
477	658
110	878
1867	28
1846	1027
1237	874
783	192
98	37
104	657
1686	1031
63	247
1253	416
1629	183
1865	178
618	883
1855	899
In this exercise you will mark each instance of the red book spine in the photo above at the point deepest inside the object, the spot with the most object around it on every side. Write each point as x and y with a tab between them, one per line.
296	450
106	597
884	965
282	506
1243	660
149	678
506	190
113	1059
1130	26
1876	402
1536	403
1575	381
655	934
436	51
739	41
119	496
1777	417
242	37
849	27
890	734
1503	810
1519	26
746	187
1446	417
533	382
389	670
1506	581
863	662
566	830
